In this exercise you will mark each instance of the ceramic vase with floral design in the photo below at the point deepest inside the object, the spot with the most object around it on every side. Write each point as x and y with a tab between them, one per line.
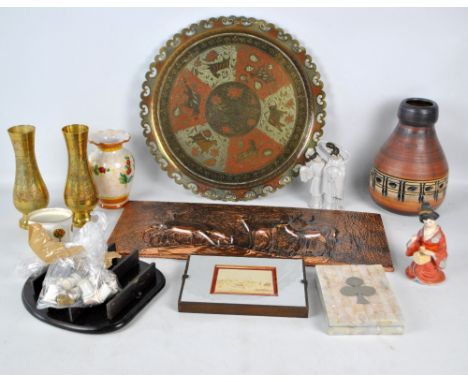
112	167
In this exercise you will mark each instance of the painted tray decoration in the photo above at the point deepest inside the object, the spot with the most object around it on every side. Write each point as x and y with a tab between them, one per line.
230	105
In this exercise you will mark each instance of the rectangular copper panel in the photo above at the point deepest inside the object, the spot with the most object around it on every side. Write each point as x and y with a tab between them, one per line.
176	230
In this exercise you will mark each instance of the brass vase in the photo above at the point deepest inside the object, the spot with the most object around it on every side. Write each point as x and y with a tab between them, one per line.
29	192
80	194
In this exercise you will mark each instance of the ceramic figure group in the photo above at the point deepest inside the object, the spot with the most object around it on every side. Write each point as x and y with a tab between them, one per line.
326	170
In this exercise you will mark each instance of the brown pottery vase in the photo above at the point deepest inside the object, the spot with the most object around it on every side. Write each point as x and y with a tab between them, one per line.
411	167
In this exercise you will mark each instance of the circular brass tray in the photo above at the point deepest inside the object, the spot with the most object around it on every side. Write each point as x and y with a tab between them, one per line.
229	107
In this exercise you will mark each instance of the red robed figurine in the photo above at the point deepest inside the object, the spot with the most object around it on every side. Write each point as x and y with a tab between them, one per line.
428	249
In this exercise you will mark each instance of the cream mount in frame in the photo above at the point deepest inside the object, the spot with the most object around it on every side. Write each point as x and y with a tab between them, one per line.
239	285
244	280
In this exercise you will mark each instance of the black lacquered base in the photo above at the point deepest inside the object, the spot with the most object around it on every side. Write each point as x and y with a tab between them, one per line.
140	282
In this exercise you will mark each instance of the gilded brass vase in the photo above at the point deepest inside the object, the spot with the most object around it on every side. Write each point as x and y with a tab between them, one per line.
29	192
80	194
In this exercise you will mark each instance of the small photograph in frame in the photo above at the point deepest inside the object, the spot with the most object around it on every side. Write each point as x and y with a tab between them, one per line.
244	285
247	280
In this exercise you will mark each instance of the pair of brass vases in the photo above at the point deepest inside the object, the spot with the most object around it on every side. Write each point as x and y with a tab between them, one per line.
30	192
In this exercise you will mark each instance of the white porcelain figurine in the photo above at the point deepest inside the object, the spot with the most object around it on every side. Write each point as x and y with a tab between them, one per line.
334	174
326	169
313	171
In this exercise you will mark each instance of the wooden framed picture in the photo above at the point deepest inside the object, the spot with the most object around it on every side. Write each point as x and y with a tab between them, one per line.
251	286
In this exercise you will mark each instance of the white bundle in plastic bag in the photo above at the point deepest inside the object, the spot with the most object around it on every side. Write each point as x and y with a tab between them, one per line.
81	280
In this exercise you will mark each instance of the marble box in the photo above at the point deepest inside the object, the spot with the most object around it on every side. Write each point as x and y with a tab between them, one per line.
357	299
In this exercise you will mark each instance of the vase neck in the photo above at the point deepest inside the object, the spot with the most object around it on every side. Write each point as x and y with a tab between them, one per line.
110	147
77	147
23	145
26	165
415	131
418	112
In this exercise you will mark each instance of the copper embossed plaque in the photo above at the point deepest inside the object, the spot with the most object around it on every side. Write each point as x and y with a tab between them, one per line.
229	107
177	230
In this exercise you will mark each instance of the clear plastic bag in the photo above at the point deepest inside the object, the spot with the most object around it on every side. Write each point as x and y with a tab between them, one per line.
80	280
29	266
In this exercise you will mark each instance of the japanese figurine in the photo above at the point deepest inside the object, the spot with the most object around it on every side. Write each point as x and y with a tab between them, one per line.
428	249
334	174
313	171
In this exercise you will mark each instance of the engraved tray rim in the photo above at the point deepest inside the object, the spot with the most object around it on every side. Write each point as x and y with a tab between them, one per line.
208	28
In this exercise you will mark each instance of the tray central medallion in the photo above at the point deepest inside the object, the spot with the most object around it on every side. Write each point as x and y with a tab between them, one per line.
232	110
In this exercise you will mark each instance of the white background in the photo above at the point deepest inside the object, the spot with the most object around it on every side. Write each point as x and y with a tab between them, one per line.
61	66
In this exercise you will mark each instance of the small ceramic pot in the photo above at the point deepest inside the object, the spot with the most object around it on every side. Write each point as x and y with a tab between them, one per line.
56	221
411	168
112	167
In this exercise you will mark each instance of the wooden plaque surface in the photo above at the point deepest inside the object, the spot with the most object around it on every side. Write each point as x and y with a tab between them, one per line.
176	230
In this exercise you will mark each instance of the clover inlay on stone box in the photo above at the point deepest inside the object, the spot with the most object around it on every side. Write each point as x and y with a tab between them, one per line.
357	299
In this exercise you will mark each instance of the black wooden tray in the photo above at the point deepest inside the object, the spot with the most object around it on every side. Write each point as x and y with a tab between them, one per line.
140	282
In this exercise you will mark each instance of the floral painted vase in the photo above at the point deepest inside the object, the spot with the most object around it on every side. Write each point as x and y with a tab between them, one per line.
112	167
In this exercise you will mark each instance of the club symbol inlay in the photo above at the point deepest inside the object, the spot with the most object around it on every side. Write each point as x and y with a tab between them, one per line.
356	288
